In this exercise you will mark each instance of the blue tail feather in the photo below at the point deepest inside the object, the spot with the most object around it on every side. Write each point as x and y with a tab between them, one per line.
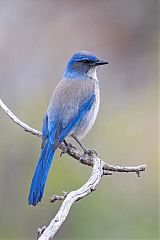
40	174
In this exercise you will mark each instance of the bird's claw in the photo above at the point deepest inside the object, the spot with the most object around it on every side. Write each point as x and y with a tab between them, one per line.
90	152
87	152
71	146
63	152
68	147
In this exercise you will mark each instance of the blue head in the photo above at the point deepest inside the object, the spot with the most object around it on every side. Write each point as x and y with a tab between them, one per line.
82	65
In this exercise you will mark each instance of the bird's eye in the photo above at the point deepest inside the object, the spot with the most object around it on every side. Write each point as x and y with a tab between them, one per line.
86	61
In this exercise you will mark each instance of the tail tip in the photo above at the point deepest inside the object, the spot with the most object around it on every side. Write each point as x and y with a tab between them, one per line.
34	199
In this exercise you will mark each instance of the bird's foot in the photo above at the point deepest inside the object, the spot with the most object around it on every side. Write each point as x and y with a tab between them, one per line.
90	152
87	152
63	152
67	148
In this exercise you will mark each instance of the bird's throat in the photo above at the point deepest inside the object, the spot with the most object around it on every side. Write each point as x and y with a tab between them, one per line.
92	73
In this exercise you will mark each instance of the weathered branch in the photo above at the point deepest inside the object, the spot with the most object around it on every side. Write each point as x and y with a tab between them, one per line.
108	168
54	198
18	121
100	168
73	152
72	197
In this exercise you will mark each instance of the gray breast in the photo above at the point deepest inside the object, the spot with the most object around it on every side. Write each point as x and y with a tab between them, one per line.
84	126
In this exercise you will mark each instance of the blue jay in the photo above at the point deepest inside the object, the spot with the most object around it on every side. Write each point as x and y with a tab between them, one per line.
71	113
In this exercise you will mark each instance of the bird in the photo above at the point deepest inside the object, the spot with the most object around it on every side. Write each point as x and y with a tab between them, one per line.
72	112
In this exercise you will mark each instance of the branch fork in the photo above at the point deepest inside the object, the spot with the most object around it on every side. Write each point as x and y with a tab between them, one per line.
99	169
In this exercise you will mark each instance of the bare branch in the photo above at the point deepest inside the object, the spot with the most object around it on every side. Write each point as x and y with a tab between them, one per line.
72	197
72	151
18	121
87	160
54	198
100	168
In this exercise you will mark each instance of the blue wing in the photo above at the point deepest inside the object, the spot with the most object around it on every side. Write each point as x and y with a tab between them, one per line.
67	108
62	125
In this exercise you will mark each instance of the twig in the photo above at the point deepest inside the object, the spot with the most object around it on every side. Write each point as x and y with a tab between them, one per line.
54	198
100	168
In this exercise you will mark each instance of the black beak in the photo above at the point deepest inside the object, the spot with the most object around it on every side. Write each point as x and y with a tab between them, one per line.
101	62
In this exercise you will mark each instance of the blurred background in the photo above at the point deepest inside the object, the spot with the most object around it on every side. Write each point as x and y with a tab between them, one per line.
36	39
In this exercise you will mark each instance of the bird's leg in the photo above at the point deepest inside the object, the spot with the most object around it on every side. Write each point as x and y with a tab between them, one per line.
66	149
65	142
68	146
86	151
